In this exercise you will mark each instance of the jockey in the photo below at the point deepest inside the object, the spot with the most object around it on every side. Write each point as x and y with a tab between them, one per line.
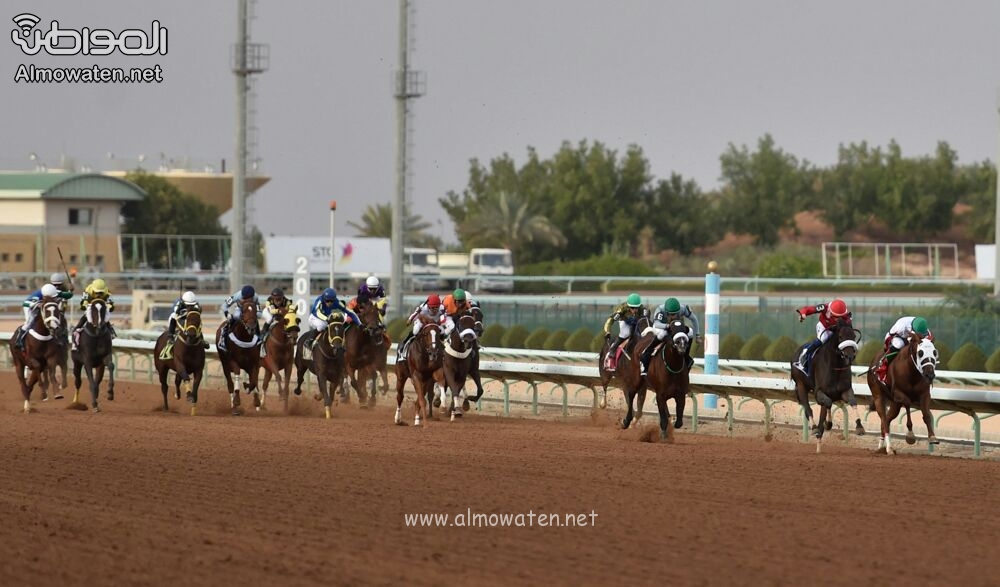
231	310
31	304
828	316
186	303
429	312
455	305
97	290
670	310
325	304
277	305
897	337
372	288
627	314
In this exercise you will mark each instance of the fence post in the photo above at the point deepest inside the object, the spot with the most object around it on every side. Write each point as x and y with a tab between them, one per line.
712	329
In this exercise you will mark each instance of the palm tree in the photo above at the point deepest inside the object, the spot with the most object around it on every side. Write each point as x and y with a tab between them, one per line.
508	221
377	222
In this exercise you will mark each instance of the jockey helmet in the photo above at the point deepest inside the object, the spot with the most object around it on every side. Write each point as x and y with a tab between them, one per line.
247	292
189	298
329	295
633	301
99	286
459	295
838	307
672	306
372	282
57	279
277	293
433	301
49	291
919	325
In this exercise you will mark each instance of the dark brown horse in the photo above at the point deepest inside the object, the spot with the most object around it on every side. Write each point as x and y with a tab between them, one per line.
423	358
41	348
242	354
908	381
364	343
628	371
325	361
279	353
669	373
93	354
829	378
457	363
185	355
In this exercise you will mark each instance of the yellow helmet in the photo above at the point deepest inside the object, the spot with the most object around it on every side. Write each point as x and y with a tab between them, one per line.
98	286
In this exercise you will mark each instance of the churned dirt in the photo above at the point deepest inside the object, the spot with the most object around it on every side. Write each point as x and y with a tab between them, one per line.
136	497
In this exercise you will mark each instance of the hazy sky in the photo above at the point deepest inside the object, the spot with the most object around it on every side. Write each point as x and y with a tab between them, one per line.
679	79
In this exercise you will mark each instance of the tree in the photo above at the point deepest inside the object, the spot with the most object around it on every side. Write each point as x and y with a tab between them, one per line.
851	188
764	189
979	186
916	196
682	217
376	221
508	221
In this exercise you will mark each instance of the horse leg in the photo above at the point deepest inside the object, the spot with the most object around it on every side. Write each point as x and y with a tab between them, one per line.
111	378
92	383
418	383
163	386
894	408
95	385
77	380
802	394
401	375
925	408
629	396
661	406
324	393
911	438
254	375
852	401
680	399
640	402
372	386
824	412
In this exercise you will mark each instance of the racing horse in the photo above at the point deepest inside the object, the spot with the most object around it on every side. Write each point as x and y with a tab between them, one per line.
364	343
628	371
423	358
829	378
185	355
669	372
242	354
457	363
279	353
93	354
36	363
908	381
326	362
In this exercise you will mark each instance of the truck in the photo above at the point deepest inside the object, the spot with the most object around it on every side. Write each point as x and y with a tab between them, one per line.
151	309
356	258
480	269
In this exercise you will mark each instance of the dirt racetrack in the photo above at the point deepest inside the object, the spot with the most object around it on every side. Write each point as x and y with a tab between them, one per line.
136	497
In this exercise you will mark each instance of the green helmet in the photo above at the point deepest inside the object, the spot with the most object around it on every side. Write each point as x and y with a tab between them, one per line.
459	295
919	326
633	301
672	306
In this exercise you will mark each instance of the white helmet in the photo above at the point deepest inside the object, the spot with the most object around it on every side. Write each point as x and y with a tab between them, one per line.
49	290
371	282
57	278
189	298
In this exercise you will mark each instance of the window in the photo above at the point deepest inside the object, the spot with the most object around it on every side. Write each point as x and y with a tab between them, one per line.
5	257
18	257
81	216
72	258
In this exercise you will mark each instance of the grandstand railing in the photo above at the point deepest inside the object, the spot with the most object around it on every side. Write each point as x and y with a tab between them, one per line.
569	380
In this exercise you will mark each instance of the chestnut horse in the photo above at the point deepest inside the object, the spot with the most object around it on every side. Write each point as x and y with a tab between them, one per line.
628	371
184	354
457	363
829	378
423	358
242	354
93	354
41	350
908	381
364	343
279	355
669	373
326	361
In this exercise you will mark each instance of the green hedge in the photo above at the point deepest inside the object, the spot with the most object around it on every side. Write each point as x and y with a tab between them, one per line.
993	363
968	357
781	349
580	340
867	352
493	335
944	352
730	346
514	337
597	343
556	341
536	340
397	328
753	349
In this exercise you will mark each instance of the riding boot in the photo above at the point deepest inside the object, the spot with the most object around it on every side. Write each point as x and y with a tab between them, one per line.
647	354
806	358
400	356
19	343
223	335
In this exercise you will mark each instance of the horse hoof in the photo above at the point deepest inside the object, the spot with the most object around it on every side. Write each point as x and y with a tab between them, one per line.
678	424
111	396
317	396
829	425
602	404
466	406
911	438
236	412
437	402
933	440
859	430
298	391
96	409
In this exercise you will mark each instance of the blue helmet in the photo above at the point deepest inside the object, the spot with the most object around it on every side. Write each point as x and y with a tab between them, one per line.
247	292
329	295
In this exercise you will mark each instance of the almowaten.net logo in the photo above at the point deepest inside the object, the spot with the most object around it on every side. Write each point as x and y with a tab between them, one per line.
86	41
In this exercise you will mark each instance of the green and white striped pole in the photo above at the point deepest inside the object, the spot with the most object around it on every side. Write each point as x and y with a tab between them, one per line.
712	329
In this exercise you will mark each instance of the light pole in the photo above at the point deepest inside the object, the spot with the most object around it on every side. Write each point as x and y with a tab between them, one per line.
996	225
333	244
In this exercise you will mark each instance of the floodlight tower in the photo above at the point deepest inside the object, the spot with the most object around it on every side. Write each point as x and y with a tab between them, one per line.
247	59
408	85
